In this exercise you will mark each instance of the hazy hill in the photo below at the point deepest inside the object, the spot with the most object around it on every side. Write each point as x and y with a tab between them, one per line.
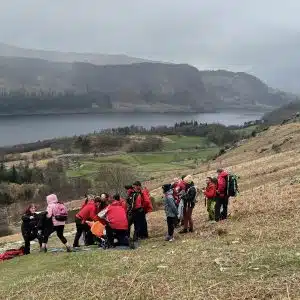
94	58
31	85
242	89
283	114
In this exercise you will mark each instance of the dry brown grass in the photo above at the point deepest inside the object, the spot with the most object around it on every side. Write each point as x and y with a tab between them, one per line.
254	255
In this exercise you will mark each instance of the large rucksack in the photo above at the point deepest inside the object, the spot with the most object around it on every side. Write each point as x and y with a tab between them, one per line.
60	212
232	185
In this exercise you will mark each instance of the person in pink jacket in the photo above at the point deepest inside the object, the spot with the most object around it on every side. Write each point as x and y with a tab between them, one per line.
56	220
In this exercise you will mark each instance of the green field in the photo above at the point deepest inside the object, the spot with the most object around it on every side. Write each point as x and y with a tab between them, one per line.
145	162
185	142
179	153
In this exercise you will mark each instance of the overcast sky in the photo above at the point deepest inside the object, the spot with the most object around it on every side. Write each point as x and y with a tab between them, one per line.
236	34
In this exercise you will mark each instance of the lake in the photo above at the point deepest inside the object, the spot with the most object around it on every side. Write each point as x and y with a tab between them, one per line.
25	129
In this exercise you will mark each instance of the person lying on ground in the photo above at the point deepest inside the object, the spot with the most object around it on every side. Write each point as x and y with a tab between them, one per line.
58	214
87	213
170	210
29	227
98	230
210	192
116	224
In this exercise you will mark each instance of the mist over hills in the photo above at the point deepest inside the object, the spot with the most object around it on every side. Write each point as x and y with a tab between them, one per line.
37	81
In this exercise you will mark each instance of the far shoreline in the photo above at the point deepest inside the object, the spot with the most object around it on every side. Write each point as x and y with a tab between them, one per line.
229	110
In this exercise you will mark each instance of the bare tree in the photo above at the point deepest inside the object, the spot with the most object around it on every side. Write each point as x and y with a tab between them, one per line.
112	178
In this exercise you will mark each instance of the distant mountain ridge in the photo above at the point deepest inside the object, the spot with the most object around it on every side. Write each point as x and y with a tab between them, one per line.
69	57
30	85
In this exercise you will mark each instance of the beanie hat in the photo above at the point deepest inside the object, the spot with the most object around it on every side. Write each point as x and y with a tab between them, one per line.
166	187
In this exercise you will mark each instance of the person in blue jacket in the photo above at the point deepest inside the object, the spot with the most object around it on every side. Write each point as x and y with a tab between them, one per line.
170	210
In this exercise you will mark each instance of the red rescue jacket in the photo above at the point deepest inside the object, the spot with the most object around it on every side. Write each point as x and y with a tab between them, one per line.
123	203
116	216
211	191
146	201
142	200
88	212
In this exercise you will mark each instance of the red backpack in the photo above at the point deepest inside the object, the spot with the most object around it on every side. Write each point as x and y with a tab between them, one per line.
147	204
60	212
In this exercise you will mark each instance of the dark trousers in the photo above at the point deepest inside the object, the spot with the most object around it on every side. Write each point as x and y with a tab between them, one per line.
28	237
80	229
221	204
187	217
144	227
120	235
86	231
171	225
59	232
137	218
224	213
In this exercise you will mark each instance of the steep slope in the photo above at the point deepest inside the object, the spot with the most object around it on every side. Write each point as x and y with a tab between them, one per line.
68	57
253	255
243	90
283	113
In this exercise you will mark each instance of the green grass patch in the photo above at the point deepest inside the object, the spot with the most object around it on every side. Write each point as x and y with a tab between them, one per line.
185	142
145	162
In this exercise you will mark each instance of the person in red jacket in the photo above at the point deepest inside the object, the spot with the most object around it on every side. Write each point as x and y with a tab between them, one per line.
88	212
222	198
115	218
121	201
210	192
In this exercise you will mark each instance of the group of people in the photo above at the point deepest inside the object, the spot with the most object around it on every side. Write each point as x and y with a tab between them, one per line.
107	220
180	198
103	219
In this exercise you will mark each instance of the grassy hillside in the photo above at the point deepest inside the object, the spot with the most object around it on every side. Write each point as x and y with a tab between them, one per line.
283	114
254	255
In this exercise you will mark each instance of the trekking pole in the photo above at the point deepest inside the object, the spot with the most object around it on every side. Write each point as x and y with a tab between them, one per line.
205	200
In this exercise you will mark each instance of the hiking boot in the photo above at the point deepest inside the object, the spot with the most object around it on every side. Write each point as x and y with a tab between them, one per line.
183	231
69	249
132	244
171	239
191	230
44	250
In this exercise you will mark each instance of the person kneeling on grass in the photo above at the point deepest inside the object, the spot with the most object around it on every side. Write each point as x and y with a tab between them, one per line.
170	210
87	213
116	224
29	227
